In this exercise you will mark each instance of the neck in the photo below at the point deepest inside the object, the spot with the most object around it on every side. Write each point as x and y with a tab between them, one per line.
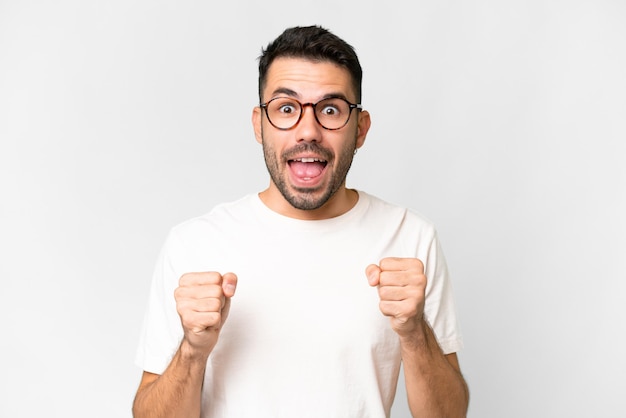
341	202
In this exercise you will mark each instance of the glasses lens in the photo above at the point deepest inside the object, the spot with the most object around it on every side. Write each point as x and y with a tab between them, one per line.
283	112
332	113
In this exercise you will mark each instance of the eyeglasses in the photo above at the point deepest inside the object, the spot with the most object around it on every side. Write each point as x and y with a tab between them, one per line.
332	113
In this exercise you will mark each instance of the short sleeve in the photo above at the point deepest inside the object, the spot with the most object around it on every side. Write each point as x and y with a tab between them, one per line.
440	309
162	330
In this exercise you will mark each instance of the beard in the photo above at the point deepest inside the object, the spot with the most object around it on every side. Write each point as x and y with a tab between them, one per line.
314	197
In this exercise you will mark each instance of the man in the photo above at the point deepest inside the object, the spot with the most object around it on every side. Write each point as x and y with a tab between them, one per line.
305	336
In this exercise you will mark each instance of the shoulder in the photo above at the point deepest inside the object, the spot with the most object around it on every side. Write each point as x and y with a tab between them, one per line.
223	216
195	244
385	211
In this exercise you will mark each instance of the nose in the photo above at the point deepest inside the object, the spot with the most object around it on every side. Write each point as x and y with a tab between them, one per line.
308	129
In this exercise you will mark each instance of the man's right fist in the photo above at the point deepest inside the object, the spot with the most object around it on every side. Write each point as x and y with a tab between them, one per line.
202	302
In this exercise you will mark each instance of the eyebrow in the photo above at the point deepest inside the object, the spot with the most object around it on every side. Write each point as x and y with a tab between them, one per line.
291	93
286	91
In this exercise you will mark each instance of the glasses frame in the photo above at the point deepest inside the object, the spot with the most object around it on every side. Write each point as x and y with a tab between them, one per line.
352	106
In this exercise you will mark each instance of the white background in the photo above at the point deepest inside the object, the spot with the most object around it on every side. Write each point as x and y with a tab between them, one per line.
501	121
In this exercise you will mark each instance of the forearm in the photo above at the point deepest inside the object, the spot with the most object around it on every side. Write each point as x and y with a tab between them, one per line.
435	388
175	393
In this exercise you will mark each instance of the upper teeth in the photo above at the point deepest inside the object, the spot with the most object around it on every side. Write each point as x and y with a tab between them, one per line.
309	160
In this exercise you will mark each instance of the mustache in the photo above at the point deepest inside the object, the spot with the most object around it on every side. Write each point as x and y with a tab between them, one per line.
308	147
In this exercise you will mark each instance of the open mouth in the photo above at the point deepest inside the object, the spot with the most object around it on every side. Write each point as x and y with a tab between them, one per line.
307	168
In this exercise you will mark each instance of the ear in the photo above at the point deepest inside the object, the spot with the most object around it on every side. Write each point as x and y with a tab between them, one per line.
363	127
257	120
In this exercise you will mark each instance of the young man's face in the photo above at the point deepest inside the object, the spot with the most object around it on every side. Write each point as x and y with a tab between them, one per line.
307	163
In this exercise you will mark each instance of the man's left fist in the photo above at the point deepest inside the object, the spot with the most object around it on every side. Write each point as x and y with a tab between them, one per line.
401	287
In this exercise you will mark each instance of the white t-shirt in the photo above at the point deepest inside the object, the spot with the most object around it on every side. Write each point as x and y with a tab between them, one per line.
305	336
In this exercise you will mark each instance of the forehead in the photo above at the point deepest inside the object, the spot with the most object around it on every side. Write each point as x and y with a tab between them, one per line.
308	80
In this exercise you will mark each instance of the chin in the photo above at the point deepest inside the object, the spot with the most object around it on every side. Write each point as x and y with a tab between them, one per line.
309	199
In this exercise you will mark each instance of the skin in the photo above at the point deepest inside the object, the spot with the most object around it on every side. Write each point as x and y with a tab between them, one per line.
434	383
202	302
309	82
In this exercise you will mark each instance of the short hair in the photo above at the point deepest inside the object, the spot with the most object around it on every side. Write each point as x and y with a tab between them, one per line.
312	43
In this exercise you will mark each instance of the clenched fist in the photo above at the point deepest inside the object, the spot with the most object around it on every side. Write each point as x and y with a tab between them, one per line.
401	287
202	302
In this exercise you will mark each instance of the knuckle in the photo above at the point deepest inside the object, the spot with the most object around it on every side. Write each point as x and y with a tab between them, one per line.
186	279
182	305
422	281
415	292
385	292
212	319
387	277
199	322
200	278
417	263
181	292
382	305
388	308
214	305
387	263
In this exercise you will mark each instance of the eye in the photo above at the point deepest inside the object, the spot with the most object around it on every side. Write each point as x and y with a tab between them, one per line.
286	108
330	110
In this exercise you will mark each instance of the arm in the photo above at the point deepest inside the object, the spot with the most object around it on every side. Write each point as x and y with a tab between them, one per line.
202	302
434	384
175	393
